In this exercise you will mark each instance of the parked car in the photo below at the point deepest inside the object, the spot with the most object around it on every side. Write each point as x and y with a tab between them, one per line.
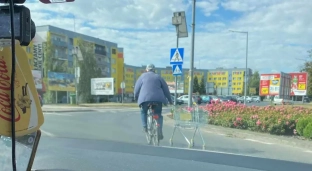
231	99
197	99
179	101
206	99
241	99
282	101
306	100
256	99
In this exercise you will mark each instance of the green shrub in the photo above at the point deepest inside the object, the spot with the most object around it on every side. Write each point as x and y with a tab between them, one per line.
307	132
302	123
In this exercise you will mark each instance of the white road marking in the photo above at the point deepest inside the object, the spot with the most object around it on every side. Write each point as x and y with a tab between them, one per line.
262	142
58	114
47	133
207	151
308	151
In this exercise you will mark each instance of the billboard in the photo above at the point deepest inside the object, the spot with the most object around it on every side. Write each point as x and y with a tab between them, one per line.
61	81
39	42
269	84
299	84
102	86
37	78
171	86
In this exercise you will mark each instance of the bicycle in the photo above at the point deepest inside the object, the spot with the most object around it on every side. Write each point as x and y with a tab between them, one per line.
153	128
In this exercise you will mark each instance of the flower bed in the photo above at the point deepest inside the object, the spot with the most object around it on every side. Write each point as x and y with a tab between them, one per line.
281	120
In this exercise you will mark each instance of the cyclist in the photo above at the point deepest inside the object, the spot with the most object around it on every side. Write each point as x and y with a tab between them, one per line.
151	87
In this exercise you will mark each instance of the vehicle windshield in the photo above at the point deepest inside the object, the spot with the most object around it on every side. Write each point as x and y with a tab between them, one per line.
84	88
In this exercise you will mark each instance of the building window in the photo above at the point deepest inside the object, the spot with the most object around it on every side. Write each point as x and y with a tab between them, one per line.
114	51
113	61
224	78
223	84
219	83
219	78
234	78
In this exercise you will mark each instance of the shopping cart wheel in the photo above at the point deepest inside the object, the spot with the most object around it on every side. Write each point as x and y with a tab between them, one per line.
170	142
191	145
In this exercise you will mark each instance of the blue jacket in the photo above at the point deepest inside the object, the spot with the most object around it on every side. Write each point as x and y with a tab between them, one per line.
151	87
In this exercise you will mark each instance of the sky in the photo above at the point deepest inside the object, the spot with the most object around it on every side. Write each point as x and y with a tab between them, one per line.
279	31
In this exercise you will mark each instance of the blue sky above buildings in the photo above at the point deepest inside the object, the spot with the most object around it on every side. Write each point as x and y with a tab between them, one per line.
278	34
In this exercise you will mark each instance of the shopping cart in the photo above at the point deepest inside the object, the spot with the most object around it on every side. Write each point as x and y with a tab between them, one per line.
193	118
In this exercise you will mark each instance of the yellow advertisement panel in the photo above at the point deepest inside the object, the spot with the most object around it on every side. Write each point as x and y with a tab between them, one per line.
28	112
61	81
274	84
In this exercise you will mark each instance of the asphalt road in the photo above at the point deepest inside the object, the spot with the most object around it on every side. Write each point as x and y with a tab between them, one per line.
112	139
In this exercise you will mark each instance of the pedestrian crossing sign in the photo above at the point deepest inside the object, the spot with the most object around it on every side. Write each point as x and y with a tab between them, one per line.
177	69
176	55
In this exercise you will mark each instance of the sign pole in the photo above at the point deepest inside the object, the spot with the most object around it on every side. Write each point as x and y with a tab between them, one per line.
175	77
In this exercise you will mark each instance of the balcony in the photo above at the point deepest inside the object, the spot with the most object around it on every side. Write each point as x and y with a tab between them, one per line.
100	52
59	43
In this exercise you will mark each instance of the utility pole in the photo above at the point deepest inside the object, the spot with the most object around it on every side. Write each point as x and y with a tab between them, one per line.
191	73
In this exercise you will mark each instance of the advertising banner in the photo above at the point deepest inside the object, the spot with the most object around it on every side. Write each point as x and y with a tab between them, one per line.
269	84
180	87
299	84
38	49
61	81
102	86
264	84
37	78
275	82
28	112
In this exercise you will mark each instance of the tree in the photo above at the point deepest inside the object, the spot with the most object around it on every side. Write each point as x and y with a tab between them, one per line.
196	85
202	86
254	82
52	63
307	67
89	69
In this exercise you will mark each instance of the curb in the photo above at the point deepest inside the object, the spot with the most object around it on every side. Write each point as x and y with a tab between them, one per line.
63	111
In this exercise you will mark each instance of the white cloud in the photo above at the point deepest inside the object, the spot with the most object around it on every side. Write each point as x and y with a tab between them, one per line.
208	6
272	26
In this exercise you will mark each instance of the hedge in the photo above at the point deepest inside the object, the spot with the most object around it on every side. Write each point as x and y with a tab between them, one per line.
277	120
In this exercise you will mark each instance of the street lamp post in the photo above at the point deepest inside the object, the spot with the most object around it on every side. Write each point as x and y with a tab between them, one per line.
245	90
190	90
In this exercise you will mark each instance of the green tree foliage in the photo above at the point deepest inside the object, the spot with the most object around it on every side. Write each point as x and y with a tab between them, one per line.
202	86
196	87
254	82
52	63
307	67
88	69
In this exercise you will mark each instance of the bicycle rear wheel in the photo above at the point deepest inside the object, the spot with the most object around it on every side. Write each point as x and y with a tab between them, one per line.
148	134
155	134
